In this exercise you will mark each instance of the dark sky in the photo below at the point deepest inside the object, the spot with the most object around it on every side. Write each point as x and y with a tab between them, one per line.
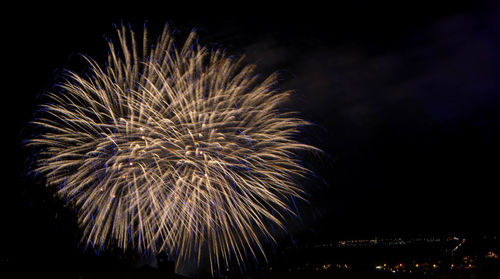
405	98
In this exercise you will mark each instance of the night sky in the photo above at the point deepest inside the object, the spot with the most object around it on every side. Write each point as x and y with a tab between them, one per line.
405	102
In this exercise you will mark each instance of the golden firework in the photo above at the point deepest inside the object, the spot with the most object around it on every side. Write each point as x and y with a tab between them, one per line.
176	149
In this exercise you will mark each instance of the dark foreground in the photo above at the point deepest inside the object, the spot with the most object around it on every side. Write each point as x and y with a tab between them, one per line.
437	256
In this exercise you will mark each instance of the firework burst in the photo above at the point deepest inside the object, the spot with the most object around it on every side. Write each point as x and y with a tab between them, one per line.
175	149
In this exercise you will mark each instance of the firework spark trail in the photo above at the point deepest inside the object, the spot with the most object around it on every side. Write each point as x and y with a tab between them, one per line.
176	149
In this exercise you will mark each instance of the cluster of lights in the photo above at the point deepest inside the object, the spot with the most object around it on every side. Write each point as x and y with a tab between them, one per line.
377	242
409	268
466	262
322	267
492	255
